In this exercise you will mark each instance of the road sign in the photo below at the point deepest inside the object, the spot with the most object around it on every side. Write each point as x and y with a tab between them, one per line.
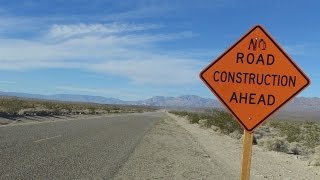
254	78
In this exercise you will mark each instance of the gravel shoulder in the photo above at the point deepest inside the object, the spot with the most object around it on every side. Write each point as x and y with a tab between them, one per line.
175	149
168	151
265	164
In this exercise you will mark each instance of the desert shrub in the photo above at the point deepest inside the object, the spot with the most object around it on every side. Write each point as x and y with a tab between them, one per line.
215	128
305	133
311	134
276	144
236	134
203	122
312	139
218	118
92	110
290	130
262	131
179	113
297	149
194	118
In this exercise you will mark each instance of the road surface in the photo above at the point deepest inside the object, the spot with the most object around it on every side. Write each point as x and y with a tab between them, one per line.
137	147
76	149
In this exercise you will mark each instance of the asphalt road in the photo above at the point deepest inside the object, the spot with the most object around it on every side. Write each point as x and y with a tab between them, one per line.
78	149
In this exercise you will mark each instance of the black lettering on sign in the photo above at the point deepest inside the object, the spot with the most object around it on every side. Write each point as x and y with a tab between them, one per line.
240	57
260	59
271	100
270	59
214	76
262	45
250	58
262	100
234	97
253	43
252	77
252	98
265	79
244	97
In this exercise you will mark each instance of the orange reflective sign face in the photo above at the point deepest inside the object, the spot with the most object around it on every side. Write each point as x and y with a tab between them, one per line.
254	78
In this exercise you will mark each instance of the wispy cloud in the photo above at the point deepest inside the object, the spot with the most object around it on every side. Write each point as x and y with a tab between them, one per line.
70	30
144	9
303	49
116	48
156	70
295	49
85	90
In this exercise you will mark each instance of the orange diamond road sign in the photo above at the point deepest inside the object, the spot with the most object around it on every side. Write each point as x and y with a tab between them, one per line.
254	78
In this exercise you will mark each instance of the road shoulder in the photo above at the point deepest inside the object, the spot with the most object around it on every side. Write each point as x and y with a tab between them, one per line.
265	164
168	151
175	149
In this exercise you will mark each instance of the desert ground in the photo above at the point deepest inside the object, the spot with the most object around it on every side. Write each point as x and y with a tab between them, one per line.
176	149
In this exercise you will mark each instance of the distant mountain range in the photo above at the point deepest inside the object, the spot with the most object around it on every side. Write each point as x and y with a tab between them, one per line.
186	101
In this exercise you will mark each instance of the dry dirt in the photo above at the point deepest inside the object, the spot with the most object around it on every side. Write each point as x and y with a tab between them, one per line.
175	149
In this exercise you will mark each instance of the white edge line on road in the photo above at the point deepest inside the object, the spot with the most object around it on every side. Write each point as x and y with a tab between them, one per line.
47	138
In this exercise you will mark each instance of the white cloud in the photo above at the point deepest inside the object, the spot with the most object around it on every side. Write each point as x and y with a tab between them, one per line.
85	90
303	49
103	48
69	30
295	49
156	70
143	9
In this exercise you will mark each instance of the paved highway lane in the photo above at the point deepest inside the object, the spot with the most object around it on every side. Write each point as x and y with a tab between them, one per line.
77	149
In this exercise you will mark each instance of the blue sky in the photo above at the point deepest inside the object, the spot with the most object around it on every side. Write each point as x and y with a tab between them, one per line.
138	49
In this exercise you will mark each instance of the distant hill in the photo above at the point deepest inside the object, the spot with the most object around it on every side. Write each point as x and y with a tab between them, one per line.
189	101
181	101
304	104
186	101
